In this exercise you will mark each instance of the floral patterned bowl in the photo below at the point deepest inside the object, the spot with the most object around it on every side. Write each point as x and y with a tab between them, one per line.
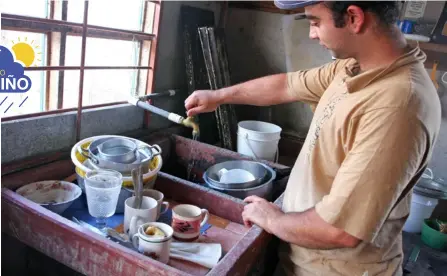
54	195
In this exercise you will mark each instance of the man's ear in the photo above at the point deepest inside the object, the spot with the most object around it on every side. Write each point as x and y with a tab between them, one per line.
355	19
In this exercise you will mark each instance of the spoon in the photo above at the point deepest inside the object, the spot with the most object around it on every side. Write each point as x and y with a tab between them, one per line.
137	178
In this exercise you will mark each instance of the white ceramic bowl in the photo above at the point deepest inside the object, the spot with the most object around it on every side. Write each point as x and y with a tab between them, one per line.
54	195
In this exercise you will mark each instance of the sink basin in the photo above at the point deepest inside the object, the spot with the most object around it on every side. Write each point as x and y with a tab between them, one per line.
244	249
189	159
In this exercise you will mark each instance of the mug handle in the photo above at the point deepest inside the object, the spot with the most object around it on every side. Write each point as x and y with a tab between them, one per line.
166	206
205	218
136	241
134	224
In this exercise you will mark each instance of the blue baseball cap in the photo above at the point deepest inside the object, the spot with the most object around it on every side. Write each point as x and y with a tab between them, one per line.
290	5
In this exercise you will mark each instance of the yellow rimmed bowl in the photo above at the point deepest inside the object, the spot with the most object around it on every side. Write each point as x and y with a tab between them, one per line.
82	166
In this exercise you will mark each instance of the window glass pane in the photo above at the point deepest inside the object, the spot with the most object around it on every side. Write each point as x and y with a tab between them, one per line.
24	103
102	52
28	48
35	8
113	14
100	86
150	16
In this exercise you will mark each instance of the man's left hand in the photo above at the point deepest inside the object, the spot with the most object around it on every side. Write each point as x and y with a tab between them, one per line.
260	212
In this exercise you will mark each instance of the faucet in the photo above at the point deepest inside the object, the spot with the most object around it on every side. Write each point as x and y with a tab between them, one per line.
188	122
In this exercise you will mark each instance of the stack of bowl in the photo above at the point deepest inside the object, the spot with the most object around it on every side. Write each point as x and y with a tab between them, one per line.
118	153
241	178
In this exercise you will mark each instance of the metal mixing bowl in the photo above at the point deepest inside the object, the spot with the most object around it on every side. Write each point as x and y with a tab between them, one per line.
259	171
263	190
118	150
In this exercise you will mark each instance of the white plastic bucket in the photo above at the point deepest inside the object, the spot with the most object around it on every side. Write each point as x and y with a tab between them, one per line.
258	139
421	208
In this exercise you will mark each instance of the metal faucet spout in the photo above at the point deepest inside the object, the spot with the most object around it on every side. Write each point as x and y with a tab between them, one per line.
189	122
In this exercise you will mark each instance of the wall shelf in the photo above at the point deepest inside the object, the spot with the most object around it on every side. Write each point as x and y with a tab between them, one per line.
434	52
266	6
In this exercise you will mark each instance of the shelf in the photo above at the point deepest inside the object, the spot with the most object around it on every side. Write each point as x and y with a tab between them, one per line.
434	52
266	6
428	46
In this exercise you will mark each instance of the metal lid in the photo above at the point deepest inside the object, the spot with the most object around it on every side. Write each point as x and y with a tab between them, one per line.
435	189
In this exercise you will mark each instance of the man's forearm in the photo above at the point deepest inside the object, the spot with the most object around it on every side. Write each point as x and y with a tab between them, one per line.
308	230
270	90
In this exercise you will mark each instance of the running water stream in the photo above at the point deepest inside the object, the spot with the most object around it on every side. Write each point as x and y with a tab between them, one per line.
192	163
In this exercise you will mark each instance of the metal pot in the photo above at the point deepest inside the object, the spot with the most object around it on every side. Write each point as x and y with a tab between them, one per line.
263	190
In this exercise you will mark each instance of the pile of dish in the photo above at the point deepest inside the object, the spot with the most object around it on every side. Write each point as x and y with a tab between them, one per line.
118	153
241	178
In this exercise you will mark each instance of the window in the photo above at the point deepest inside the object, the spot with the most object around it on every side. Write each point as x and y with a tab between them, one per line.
46	37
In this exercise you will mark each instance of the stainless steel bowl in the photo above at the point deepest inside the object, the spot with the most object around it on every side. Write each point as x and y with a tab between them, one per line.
144	157
118	150
259	171
263	190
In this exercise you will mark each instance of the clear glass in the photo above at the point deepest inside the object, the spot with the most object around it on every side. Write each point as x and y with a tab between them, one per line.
126	15
36	8
102	188
102	86
102	52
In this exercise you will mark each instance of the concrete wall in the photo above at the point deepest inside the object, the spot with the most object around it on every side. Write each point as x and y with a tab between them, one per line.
255	49
33	136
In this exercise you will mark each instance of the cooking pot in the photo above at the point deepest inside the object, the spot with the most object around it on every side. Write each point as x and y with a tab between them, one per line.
257	169
264	190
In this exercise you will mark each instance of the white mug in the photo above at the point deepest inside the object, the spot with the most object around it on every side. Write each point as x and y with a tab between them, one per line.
158	196
154	247
187	221
133	218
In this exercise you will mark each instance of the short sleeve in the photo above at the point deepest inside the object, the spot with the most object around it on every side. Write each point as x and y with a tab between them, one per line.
388	148
309	85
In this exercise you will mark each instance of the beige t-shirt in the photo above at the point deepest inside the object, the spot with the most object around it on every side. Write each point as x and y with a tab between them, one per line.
371	137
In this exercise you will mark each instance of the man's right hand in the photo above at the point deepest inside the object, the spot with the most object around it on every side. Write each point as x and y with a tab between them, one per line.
202	101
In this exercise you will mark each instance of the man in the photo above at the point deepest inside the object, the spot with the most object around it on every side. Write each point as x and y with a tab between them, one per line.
376	119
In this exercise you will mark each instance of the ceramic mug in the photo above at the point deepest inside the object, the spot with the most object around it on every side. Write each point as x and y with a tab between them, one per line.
155	247
133	218
187	221
158	196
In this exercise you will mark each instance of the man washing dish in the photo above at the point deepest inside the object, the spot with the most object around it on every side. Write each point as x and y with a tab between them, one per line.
376	118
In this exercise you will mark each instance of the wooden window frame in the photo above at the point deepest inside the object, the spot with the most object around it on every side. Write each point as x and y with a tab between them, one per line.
51	26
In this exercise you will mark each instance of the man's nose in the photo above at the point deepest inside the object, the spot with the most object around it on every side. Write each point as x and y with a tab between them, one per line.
312	33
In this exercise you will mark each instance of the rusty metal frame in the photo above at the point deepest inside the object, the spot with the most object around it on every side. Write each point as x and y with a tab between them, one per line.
50	68
152	59
81	73
41	25
51	25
